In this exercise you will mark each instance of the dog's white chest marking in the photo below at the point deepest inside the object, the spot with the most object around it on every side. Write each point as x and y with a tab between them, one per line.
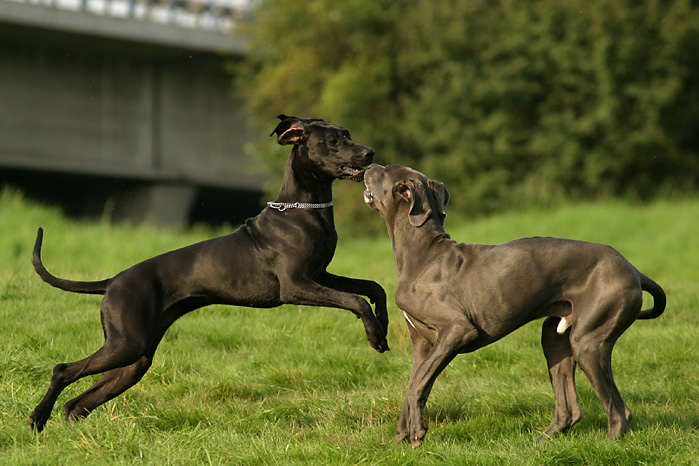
409	321
564	325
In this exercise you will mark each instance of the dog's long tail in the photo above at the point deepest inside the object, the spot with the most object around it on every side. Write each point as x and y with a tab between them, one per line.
659	299
99	287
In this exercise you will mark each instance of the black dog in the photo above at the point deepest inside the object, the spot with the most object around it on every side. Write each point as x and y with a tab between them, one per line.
279	257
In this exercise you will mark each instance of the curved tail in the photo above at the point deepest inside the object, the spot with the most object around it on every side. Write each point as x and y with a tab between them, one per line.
99	287
659	299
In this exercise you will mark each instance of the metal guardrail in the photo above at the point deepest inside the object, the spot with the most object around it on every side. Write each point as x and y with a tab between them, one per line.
210	15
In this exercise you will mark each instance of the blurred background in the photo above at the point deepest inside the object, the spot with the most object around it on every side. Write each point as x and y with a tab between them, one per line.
160	111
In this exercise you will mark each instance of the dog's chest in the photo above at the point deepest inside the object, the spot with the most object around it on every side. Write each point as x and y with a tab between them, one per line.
324	247
314	241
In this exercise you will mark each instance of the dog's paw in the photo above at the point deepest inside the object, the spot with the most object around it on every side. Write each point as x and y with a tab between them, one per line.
37	421
376	336
381	346
417	436
415	442
401	437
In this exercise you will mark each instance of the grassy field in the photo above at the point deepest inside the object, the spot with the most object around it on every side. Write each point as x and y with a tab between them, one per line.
300	385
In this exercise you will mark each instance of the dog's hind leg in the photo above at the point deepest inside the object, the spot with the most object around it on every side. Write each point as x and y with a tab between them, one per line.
116	352
595	361
117	381
125	343
110	385
592	341
561	365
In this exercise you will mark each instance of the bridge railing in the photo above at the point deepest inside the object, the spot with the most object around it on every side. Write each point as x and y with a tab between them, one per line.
215	15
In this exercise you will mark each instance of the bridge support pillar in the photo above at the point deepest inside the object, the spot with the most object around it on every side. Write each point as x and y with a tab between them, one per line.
161	204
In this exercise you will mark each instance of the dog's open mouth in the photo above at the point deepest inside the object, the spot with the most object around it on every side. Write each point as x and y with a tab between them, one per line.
368	197
352	174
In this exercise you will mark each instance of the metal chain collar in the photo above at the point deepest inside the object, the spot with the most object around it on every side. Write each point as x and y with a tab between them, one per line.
282	206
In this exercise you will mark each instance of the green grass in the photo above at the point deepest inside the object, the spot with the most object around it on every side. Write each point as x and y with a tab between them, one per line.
300	385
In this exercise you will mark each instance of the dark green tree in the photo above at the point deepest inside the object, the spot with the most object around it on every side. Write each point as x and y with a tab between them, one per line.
509	103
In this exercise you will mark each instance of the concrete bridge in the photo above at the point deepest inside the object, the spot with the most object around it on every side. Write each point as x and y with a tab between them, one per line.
123	108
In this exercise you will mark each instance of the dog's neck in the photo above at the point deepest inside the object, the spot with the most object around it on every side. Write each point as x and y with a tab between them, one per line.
406	238
306	189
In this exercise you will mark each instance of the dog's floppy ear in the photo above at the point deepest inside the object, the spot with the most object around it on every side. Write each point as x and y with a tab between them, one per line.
414	192
441	197
290	130
422	201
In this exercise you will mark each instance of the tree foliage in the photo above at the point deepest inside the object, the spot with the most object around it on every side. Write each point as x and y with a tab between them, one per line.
508	102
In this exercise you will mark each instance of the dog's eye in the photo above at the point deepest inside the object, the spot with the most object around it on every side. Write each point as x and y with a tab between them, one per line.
333	141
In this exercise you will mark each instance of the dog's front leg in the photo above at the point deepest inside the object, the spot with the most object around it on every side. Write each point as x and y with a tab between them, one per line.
309	293
421	348
368	288
451	339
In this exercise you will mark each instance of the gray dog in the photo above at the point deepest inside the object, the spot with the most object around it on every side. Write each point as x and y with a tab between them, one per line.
279	257
458	297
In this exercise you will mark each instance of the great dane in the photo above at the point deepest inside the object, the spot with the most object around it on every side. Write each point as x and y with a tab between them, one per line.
278	257
458	297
